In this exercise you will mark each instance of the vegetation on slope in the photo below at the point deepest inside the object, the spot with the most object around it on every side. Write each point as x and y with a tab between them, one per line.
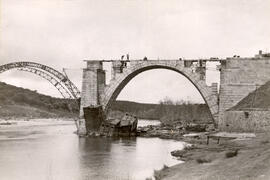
20	102
167	111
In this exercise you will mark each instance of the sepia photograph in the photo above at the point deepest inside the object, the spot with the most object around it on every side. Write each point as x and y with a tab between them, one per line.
134	89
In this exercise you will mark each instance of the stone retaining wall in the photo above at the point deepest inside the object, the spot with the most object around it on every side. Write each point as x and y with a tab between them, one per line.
246	121
238	78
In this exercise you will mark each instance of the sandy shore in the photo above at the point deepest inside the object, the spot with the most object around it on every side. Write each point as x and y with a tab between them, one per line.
30	128
250	161
33	122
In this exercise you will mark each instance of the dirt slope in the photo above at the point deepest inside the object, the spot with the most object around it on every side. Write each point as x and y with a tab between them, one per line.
259	98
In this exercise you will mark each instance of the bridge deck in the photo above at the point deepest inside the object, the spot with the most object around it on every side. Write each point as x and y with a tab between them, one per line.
191	60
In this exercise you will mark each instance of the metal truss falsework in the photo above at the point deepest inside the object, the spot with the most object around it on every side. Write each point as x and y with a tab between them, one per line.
67	89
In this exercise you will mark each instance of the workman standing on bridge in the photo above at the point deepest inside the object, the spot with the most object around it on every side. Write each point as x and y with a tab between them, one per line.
127	56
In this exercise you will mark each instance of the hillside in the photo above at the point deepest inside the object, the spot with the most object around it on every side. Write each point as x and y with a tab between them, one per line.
259	99
18	102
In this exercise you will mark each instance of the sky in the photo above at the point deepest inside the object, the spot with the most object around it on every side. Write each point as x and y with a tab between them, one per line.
63	33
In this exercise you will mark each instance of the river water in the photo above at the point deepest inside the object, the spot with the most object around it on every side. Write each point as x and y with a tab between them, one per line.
49	150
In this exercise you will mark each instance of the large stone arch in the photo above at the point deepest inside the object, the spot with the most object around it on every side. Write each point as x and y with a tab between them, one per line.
121	79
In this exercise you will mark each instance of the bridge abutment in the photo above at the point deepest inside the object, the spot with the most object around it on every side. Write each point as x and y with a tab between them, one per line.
238	78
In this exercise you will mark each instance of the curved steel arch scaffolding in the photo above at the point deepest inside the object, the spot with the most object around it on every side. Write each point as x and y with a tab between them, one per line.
62	83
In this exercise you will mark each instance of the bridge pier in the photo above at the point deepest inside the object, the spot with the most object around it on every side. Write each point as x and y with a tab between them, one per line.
93	85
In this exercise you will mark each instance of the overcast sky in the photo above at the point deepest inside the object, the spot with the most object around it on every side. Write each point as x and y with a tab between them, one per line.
62	33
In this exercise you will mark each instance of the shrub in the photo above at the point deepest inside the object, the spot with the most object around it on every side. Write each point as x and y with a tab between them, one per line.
231	154
202	160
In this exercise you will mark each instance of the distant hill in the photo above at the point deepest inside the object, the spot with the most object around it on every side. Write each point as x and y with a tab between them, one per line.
19	102
165	112
258	99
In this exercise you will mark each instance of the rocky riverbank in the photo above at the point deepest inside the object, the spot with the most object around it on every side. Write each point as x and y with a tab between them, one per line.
212	155
174	131
231	156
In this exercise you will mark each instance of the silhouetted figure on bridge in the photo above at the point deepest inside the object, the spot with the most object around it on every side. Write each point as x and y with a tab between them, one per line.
127	56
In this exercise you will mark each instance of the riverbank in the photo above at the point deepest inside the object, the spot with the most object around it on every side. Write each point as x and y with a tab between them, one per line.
240	158
28	123
174	131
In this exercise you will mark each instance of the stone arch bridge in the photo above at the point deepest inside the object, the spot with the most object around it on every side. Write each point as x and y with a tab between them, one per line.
239	77
95	92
